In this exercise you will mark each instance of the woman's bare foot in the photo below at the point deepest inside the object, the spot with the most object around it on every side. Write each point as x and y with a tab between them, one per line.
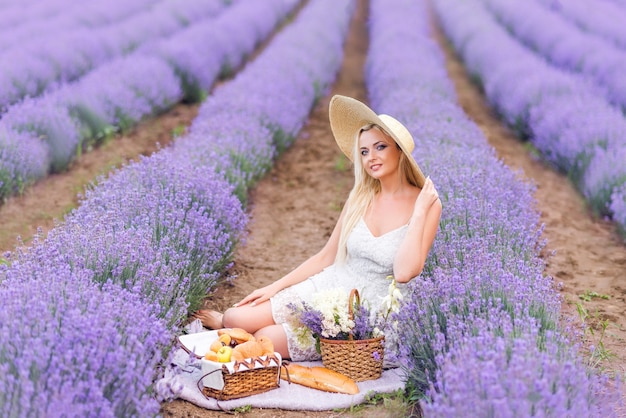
210	319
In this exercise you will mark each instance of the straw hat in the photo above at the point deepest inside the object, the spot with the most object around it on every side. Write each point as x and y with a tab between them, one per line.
348	116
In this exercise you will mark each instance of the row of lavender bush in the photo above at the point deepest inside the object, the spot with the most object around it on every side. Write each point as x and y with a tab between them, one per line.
573	127
566	46
604	18
22	21
480	325
14	14
33	67
46	133
89	313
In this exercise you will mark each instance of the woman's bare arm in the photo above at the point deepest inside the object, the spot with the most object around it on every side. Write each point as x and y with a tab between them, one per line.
421	232
313	265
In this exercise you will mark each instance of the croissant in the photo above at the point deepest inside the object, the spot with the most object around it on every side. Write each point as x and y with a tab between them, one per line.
248	349
321	378
267	344
240	335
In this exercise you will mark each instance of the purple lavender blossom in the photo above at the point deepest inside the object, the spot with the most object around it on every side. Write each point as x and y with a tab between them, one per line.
148	86
363	323
566	46
605	175
163	216
23	159
118	94
250	120
68	347
482	295
564	116
605	18
312	319
206	50
618	206
48	119
39	64
512	377
188	213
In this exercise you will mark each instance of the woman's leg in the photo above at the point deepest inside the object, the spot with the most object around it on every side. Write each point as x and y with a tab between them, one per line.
257	320
250	318
276	333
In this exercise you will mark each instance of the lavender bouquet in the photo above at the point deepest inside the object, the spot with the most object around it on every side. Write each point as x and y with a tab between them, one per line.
328	316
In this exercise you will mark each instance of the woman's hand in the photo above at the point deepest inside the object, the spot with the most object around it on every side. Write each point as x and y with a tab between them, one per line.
428	195
258	296
411	256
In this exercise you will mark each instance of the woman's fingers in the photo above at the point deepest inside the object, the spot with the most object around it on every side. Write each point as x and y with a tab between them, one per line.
428	195
258	296
243	301
252	299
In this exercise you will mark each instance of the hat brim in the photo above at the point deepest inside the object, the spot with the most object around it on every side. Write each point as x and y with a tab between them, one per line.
348	116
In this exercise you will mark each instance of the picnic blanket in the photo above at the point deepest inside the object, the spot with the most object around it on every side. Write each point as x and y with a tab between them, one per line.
182	375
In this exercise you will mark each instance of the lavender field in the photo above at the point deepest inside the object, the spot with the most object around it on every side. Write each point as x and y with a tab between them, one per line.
568	90
92	308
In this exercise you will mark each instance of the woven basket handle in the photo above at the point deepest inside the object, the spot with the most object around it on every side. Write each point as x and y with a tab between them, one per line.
354	294
188	351
199	383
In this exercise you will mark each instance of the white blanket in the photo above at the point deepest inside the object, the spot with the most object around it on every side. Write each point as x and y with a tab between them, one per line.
181	379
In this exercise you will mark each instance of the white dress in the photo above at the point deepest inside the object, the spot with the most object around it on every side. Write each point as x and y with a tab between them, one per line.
368	263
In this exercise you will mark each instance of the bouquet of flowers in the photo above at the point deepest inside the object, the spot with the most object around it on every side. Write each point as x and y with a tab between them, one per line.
328	316
347	332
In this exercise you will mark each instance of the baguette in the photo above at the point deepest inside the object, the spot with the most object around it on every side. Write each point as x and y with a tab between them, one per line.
320	378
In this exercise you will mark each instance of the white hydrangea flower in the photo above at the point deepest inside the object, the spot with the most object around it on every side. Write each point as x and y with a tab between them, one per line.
333	304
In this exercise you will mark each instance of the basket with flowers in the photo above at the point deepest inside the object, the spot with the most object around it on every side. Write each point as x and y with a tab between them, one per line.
348	334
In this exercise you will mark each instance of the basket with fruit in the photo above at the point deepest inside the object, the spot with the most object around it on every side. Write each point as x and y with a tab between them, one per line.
236	364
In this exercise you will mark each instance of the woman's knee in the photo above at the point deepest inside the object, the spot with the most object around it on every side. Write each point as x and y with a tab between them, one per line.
249	318
231	318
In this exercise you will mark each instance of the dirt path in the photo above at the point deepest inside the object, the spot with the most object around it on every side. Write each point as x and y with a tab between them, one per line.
589	255
294	209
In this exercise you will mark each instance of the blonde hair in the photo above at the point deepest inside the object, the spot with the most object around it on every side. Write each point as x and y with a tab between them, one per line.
364	189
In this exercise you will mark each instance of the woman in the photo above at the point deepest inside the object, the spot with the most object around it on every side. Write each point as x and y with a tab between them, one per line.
387	227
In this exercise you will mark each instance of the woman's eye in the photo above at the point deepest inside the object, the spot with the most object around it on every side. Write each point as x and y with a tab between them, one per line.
364	152
381	147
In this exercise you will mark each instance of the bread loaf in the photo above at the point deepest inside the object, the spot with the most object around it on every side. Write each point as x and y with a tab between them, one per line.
319	378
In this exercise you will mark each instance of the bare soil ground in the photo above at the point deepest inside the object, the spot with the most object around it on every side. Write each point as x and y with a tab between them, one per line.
294	208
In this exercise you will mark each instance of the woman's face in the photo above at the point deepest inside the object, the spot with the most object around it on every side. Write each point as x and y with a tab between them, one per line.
380	154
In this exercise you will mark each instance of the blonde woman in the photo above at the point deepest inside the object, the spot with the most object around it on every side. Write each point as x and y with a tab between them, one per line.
387	227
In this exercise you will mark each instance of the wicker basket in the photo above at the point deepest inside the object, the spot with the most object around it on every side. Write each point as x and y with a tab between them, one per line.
358	359
242	383
245	378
